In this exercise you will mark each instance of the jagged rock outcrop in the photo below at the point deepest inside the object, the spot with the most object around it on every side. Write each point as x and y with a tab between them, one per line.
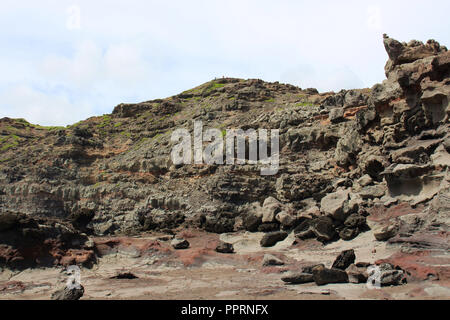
342	155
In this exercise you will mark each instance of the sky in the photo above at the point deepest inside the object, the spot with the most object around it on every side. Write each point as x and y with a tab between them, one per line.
64	61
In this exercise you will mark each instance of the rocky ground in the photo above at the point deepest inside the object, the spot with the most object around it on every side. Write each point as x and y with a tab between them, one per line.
363	170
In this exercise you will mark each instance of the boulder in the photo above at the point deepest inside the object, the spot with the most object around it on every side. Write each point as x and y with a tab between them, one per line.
297	278
348	148
270	260
321	228
310	269
268	227
179	243
344	259
224	247
385	233
251	222
333	204
324	229
348	234
68	293
357	274
336	115
271	238
323	276
371	192
270	208
286	220
388	275
365	180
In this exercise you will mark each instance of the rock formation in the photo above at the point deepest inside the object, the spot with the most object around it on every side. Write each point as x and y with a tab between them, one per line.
346	158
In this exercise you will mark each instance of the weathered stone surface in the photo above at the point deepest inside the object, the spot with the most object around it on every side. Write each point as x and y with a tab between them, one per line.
336	115
297	278
323	276
285	219
178	243
357	274
365	180
388	275
371	192
67	293
270	239
270	208
344	259
354	152
348	148
386	232
271	260
224	247
333	204
323	228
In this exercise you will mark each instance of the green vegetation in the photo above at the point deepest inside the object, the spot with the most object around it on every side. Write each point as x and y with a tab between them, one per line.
8	142
126	134
106	121
305	104
213	86
270	100
25	123
75	125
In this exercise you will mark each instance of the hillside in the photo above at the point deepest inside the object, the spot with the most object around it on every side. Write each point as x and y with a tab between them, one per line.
357	161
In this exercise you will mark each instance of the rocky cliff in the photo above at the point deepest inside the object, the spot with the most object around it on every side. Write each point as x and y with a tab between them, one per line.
379	154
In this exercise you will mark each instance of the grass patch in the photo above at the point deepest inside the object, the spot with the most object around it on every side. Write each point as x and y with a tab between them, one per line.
126	134
305	104
9	142
106	121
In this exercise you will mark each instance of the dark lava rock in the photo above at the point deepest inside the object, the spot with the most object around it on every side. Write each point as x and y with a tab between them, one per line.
310	269
125	275
357	274
270	239
224	247
344	259
323	276
180	244
69	293
298	278
270	260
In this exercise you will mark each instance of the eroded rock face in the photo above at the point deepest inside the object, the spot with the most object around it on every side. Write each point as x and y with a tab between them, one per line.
343	155
344	260
271	260
69	294
224	247
272	238
28	242
179	243
323	276
297	278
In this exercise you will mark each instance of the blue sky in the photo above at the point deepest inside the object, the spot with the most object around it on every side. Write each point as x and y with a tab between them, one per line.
64	61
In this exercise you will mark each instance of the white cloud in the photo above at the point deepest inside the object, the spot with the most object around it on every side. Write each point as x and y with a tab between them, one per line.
323	79
74	18
374	18
135	50
39	108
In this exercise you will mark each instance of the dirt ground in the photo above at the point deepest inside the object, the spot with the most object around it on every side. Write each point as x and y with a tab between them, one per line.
199	273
